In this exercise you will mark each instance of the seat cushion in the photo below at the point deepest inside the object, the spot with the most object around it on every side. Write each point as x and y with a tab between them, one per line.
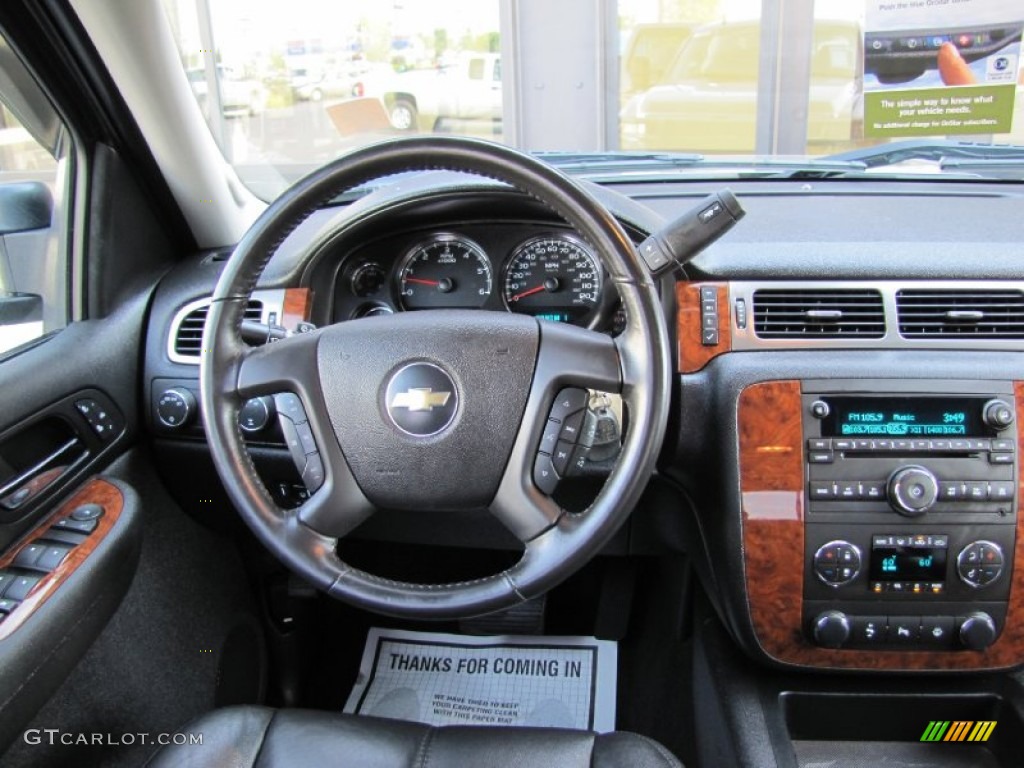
251	737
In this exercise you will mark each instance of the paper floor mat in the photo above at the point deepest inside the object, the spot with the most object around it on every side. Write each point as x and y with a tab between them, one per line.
440	679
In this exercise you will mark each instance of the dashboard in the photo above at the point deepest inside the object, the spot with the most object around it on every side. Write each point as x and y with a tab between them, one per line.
849	387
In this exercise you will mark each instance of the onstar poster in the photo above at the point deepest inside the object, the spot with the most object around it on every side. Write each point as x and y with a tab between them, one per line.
941	67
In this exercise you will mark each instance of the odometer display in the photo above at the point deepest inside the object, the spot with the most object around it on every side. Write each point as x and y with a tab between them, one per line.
553	277
445	273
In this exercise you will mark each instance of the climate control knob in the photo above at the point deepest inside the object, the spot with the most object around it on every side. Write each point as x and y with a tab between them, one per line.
831	629
998	414
176	407
978	631
913	490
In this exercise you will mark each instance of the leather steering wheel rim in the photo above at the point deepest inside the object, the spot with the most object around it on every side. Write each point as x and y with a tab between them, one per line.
556	543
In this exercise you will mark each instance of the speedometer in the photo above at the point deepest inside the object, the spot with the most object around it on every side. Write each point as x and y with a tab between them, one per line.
446	272
554	278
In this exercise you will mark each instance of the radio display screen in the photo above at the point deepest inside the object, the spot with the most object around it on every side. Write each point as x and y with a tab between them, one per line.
904	417
908	564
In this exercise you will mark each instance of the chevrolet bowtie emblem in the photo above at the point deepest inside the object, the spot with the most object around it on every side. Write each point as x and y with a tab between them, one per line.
420	399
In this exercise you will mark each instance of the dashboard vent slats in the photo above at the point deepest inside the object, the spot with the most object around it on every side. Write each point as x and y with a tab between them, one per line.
961	314
818	314
188	339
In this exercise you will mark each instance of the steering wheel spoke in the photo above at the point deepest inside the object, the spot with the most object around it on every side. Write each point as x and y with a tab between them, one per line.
570	362
288	370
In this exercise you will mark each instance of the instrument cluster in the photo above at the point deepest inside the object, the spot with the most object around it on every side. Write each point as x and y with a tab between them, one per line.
544	271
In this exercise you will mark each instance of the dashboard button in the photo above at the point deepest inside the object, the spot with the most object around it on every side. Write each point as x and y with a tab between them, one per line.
29	554
1002	445
1000	458
904	629
976	490
1001	490
951	490
82	526
87	512
867	630
20	587
53	556
6	606
819	444
872	491
821	457
823	490
937	630
842	445
848	490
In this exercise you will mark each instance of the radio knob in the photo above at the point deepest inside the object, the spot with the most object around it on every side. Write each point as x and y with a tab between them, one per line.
998	414
913	490
831	629
978	631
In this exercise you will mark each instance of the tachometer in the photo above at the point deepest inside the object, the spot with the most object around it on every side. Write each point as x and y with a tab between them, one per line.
555	278
446	272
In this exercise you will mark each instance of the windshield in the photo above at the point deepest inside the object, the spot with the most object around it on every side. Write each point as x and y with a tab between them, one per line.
286	87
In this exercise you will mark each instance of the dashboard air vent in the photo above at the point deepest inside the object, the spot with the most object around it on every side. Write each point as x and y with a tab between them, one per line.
961	314
818	313
188	340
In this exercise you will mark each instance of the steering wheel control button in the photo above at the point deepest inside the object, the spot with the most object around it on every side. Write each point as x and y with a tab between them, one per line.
913	490
87	512
313	473
550	437
571	427
561	457
289	405
544	475
421	400
980	564
568	402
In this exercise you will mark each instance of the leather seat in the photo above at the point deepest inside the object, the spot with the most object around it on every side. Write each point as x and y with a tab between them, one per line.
247	737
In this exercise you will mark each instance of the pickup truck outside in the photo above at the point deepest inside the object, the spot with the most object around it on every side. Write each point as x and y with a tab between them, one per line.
467	91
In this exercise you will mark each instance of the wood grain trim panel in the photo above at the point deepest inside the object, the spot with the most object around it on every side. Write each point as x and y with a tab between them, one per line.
693	355
771	483
95	491
298	303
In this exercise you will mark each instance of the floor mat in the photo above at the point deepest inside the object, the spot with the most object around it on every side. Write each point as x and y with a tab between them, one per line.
442	679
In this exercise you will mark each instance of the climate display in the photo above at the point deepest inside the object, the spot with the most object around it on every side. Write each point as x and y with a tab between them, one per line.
904	417
911	564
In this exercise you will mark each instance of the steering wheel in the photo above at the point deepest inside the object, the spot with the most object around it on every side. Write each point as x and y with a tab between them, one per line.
435	410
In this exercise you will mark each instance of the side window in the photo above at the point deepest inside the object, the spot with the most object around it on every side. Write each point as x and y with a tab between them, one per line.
33	248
